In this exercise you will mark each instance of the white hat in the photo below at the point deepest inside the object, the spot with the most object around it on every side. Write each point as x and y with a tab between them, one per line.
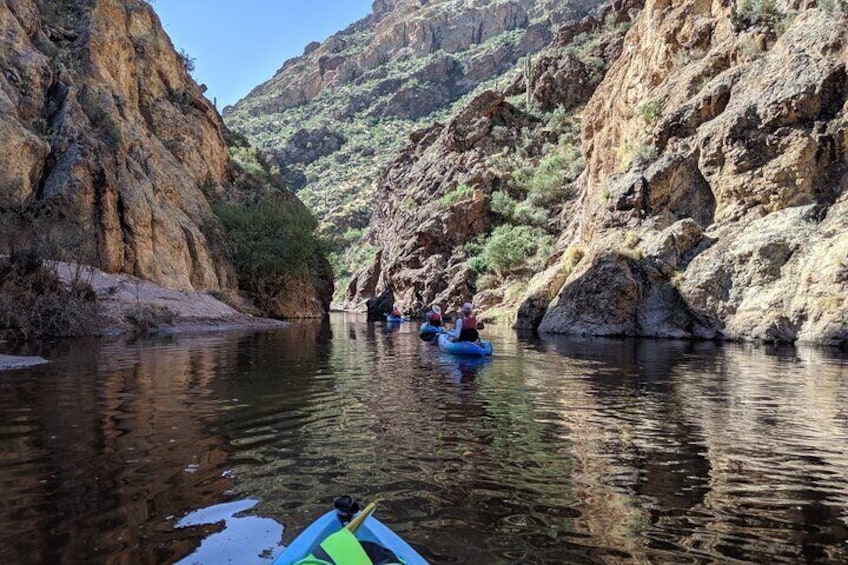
436	309
467	307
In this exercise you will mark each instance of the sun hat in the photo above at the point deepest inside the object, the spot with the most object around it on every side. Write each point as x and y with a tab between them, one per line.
436	309
467	307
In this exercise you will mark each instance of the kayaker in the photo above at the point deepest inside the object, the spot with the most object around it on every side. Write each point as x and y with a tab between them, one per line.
466	326
434	316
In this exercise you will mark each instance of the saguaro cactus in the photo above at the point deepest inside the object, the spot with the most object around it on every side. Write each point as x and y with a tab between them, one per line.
528	80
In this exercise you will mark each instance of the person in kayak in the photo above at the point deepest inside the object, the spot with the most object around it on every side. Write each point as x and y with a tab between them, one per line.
434	316
466	327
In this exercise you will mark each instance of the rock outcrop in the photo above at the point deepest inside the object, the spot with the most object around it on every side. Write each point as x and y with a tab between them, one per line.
431	201
112	153
106	123
716	182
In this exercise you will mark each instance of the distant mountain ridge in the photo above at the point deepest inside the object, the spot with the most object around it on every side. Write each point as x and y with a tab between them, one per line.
408	29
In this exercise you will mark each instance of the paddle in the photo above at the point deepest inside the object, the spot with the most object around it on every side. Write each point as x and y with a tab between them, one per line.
354	524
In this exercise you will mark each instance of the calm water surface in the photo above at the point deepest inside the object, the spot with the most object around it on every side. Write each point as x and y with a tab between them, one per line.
221	448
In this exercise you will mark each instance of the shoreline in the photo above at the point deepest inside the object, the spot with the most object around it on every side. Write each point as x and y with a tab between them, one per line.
12	362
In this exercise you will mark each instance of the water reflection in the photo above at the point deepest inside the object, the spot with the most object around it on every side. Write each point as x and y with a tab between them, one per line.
237	539
591	451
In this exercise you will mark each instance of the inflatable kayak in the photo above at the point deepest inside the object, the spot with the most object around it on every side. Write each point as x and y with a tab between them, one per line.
470	348
373	536
429	333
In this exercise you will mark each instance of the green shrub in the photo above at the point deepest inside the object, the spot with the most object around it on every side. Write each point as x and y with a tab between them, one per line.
503	204
650	112
528	214
645	152
561	119
834	6
549	181
570	259
458	193
511	248
477	264
353	234
761	13
271	241
640	153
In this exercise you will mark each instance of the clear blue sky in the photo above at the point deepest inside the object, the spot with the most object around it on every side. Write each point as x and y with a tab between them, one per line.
239	44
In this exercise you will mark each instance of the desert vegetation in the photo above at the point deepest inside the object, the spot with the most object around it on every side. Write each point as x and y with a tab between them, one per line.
268	235
35	303
538	184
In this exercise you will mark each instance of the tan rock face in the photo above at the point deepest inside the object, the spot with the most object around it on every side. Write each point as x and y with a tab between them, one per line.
743	136
111	151
108	129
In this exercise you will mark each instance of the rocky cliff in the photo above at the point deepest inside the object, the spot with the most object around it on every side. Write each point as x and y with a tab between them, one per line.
713	199
333	118
476	206
112	153
717	179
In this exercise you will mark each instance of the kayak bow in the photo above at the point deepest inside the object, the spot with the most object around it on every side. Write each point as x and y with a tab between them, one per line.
364	526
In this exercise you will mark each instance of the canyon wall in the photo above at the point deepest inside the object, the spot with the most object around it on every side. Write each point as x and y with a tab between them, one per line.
711	195
113	155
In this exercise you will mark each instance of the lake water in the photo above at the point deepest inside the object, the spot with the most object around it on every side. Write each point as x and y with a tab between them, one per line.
220	448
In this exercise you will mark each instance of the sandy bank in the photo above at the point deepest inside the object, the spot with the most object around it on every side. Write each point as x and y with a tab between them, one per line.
119	294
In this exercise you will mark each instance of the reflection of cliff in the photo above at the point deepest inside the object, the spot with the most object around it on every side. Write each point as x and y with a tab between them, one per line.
118	438
784	427
700	448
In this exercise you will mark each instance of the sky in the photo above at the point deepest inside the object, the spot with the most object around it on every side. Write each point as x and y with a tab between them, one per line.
239	44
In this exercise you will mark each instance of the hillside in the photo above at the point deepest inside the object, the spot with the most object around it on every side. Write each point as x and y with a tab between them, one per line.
698	190
114	158
333	118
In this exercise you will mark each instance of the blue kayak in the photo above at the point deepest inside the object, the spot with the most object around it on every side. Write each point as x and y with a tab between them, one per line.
371	530
469	348
429	333
395	319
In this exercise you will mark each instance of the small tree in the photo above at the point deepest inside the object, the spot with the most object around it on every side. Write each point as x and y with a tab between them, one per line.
187	60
